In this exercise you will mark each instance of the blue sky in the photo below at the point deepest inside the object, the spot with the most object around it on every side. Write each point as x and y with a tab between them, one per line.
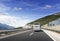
19	12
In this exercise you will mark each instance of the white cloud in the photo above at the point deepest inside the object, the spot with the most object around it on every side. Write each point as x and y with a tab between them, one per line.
4	13
47	7
43	7
4	8
12	20
17	9
5	18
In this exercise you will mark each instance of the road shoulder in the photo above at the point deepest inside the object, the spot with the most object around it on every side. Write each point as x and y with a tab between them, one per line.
55	36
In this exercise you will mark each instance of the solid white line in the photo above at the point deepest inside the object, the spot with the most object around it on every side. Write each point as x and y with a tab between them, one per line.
31	34
14	34
49	35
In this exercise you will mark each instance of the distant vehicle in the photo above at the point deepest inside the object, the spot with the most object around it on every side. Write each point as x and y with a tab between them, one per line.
36	27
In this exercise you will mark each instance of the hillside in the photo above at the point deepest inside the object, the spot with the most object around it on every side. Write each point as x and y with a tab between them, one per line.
5	27
47	19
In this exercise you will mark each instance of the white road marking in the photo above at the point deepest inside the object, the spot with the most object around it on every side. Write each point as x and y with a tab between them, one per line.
49	35
14	34
31	33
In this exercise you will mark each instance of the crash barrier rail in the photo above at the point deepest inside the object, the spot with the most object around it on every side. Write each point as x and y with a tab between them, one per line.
11	31
7	32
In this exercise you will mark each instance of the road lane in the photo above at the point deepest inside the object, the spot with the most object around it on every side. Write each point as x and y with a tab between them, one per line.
29	36
31	33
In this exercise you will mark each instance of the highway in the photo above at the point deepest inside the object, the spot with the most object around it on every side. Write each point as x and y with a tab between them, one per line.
29	36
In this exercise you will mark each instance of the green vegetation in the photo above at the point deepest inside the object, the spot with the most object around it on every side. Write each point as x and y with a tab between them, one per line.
47	19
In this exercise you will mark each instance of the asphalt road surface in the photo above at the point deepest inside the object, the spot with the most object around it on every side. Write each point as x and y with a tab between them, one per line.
29	36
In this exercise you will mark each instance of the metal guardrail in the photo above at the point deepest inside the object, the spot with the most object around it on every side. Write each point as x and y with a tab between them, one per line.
6	32
11	31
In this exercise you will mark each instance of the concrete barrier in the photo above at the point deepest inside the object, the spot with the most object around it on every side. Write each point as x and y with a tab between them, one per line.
58	31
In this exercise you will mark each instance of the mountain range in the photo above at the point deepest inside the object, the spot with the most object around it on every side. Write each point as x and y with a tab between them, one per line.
5	27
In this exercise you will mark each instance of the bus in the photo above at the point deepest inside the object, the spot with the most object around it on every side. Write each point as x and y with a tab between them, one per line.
36	27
